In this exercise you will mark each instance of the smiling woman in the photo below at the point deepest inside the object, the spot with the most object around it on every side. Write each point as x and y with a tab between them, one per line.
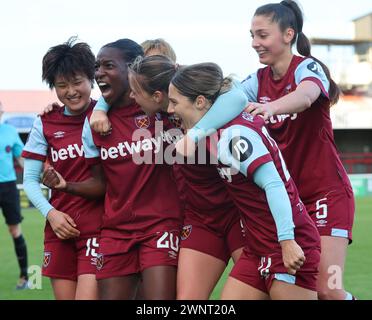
294	94
140	233
72	222
71	78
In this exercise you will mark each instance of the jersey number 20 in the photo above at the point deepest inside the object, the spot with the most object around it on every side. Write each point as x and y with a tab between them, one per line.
172	243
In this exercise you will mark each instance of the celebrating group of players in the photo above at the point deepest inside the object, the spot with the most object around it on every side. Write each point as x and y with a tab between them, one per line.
256	177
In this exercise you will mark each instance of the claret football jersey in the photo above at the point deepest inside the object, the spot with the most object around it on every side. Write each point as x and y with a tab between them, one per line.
305	139
243	145
206	197
141	193
56	138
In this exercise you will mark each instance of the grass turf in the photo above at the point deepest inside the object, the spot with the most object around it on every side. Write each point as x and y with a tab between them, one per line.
357	274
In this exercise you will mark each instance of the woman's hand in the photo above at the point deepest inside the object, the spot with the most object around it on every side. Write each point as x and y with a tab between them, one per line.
100	123
62	224
53	179
293	256
263	109
49	108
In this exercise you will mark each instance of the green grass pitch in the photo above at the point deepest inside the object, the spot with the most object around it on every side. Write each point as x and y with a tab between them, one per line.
358	272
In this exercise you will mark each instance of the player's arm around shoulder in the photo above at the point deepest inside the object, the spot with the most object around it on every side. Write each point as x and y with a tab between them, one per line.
306	93
99	120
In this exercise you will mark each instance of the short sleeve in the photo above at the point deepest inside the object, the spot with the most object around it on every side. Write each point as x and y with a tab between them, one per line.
91	151
36	146
242	148
311	70
250	87
101	105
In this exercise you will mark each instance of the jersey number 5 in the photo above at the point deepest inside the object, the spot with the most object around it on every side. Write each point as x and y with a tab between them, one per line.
321	209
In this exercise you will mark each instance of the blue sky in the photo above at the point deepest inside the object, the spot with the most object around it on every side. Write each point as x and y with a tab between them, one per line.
199	30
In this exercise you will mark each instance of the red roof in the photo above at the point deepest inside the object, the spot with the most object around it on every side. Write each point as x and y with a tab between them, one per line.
29	100
26	100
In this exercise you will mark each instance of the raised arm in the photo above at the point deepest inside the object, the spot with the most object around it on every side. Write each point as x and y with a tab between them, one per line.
227	107
99	121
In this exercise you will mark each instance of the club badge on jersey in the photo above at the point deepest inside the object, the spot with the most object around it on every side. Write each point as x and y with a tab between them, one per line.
99	261
47	258
142	122
176	121
186	231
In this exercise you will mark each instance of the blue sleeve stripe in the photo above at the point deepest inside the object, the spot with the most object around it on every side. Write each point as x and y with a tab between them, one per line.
36	142
268	179
250	87
227	107
101	105
90	149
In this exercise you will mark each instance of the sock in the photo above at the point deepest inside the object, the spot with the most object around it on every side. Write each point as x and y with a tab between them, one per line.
21	252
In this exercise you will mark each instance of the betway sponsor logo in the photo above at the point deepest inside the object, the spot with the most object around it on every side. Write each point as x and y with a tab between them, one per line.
72	151
281	117
147	144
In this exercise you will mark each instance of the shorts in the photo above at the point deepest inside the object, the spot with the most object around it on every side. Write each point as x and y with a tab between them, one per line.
260	272
199	237
333	213
68	259
122	257
9	202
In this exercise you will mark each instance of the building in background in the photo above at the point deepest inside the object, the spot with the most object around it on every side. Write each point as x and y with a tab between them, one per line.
350	62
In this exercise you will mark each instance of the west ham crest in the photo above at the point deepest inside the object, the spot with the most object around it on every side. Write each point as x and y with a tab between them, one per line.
176	121
142	122
186	231
99	261
46	260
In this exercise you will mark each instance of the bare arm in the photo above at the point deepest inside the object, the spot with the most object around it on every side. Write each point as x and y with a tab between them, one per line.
91	188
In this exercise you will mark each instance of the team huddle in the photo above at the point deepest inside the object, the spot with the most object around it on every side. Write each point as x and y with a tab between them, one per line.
177	169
